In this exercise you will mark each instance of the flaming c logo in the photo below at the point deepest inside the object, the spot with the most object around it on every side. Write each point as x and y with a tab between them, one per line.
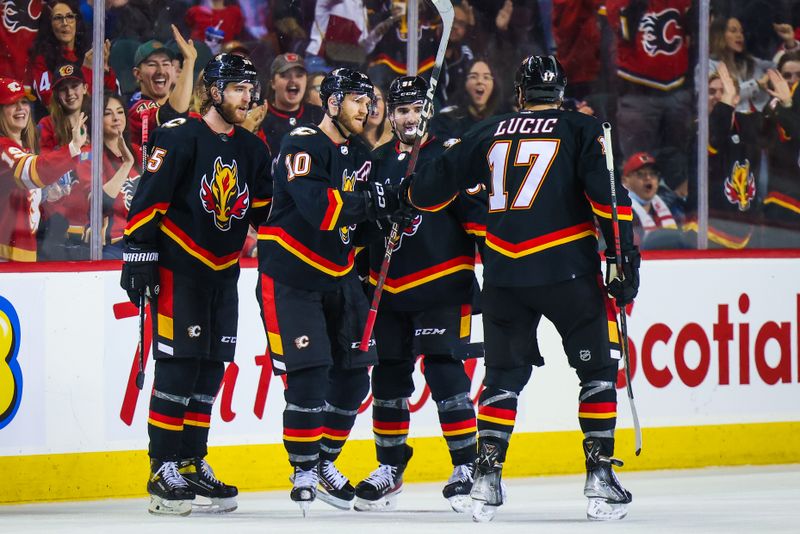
348	184
740	187
10	372
222	196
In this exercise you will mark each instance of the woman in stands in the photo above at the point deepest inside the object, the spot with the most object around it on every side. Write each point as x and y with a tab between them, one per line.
378	130
63	37
478	101
23	173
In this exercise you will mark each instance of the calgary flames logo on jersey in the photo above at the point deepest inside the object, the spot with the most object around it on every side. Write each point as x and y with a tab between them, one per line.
19	15
661	32
349	185
222	196
740	187
409	230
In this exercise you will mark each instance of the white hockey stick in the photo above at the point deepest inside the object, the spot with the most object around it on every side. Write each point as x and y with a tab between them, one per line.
623	319
445	9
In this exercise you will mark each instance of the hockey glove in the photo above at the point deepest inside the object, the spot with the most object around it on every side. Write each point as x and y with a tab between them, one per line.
139	272
382	201
623	288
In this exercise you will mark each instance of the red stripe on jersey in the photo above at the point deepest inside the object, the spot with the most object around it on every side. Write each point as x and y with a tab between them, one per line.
161	207
304	253
539	242
271	315
167	286
187	243
332	213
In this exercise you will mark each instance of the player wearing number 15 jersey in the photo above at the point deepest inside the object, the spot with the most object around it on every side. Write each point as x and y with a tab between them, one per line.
545	175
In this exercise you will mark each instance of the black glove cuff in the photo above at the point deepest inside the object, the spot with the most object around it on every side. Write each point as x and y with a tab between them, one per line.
139	255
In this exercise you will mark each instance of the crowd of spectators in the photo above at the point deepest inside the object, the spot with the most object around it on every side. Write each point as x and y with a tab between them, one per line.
633	62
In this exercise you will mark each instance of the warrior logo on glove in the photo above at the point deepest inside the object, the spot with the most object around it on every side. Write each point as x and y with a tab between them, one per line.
222	196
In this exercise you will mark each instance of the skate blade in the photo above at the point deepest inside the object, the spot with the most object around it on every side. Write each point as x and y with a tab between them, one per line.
305	508
601	510
460	503
482	512
386	503
159	506
207	505
336	502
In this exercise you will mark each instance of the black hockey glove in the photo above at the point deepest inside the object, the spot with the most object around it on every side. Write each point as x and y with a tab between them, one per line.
382	201
624	290
139	272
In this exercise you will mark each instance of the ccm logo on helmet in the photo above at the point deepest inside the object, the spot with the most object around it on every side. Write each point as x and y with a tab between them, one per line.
430	331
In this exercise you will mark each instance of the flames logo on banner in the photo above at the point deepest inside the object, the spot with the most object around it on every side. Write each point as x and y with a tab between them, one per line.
21	16
740	187
222	196
661	32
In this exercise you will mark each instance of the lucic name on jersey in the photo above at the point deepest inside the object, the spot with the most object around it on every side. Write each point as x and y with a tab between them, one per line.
433	263
199	193
546	179
308	239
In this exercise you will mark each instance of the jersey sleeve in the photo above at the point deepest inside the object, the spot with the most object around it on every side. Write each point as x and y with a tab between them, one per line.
309	184
29	171
470	209
438	182
593	173
262	192
153	196
789	118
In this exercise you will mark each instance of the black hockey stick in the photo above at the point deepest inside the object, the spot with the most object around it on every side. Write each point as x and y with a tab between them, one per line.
623	318
445	9
140	374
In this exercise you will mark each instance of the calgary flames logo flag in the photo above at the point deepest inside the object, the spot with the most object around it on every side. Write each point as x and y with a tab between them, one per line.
740	187
222	196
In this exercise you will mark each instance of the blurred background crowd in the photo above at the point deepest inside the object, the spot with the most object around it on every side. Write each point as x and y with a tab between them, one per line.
636	63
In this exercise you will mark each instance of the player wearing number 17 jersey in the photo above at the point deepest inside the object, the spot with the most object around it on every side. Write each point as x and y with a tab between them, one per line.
545	175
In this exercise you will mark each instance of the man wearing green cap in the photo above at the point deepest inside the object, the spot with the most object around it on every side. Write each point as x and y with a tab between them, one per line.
165	94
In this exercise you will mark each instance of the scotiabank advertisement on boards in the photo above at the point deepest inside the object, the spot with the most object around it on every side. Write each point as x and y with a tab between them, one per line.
713	341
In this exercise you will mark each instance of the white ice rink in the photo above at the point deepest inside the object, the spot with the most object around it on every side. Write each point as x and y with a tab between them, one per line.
724	500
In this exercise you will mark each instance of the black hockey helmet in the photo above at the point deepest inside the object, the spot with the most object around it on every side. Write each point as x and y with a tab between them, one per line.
342	81
225	68
541	80
406	90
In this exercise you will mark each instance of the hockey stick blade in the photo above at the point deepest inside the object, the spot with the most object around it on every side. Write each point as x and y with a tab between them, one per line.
623	320
445	10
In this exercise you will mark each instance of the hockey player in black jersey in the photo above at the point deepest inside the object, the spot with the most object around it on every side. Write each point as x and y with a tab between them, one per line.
206	181
544	171
311	300
426	309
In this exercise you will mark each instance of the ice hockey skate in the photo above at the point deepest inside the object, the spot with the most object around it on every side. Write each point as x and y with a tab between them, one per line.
459	486
378	492
608	500
305	488
334	488
488	491
169	493
212	495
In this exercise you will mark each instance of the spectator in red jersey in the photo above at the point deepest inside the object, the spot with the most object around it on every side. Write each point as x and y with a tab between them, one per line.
18	29
478	100
655	106
223	17
577	34
654	217
65	204
161	101
287	89
23	174
120	175
63	37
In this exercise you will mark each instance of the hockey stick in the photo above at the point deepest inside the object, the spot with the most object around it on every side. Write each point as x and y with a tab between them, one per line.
142	297
445	10
623	319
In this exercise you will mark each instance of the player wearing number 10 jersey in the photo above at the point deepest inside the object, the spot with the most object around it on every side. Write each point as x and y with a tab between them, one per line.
545	175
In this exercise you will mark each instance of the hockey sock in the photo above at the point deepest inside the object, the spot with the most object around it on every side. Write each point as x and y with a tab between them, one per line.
303	416
392	384
197	419
449	386
597	409
497	411
348	388
172	388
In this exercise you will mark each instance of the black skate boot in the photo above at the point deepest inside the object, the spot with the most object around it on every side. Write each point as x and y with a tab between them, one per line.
488	491
334	488
378	492
607	498
212	494
169	492
459	486
305	488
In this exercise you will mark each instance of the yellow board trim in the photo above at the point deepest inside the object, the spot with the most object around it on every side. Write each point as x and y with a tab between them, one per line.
100	475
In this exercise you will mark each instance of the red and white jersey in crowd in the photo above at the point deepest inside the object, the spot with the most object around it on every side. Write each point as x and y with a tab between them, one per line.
337	21
18	28
22	175
43	78
655	52
156	114
229	18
